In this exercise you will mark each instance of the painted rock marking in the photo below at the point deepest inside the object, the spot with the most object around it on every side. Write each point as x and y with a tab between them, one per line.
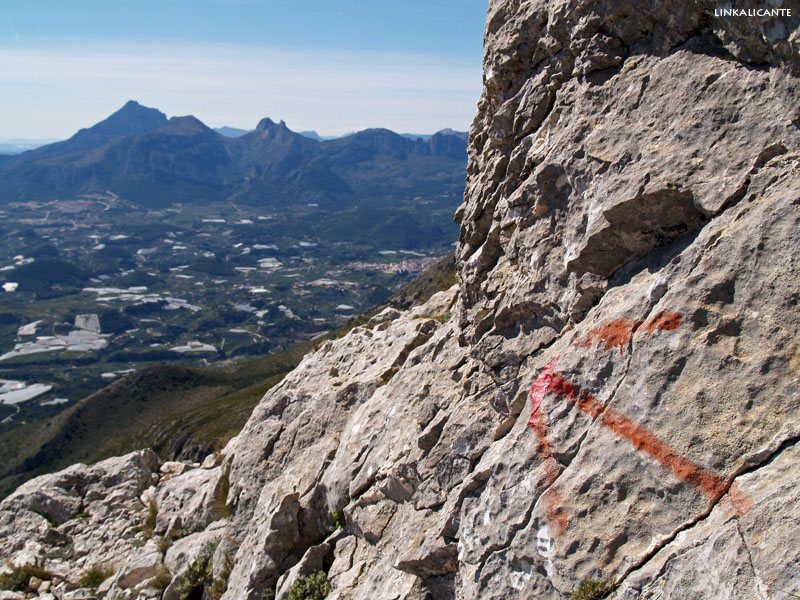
616	333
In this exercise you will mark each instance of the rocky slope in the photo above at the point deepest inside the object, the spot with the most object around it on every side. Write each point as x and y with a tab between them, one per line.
609	394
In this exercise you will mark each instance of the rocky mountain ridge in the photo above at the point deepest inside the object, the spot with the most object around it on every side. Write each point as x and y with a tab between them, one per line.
139	154
606	404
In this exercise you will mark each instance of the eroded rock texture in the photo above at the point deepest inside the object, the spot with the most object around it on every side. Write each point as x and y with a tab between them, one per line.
611	392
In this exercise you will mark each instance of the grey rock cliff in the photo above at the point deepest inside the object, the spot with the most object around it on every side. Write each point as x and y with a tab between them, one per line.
610	393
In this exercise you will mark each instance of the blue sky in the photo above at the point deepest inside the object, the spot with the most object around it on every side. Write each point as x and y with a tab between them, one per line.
331	66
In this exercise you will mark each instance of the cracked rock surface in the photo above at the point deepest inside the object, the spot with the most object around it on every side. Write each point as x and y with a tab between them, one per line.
609	393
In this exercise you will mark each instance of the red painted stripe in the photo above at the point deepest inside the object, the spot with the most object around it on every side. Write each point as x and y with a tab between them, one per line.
617	333
552	501
710	484
539	389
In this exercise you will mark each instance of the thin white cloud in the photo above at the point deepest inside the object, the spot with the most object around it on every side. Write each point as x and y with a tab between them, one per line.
52	92
14	30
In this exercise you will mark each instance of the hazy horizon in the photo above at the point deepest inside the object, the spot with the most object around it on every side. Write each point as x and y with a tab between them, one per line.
414	68
49	140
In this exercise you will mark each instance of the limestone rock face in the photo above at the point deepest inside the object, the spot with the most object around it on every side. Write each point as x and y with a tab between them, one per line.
609	394
81	519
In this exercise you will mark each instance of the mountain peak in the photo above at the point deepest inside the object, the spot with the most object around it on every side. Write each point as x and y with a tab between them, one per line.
188	121
448	131
267	124
132	105
131	119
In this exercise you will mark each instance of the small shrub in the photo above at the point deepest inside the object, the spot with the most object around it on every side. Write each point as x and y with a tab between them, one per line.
150	520
168	538
220	503
220	584
268	594
338	520
17	580
199	572
161	579
81	515
95	575
443	318
313	586
590	589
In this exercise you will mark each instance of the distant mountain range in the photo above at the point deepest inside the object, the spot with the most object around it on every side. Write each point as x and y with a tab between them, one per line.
235	132
140	155
232	132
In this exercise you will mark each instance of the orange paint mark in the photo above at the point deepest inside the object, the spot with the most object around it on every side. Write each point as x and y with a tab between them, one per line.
709	483
706	481
618	333
555	514
586	403
663	322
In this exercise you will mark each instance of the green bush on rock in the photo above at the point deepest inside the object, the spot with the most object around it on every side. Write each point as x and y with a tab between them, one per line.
590	589
17	580
313	586
93	576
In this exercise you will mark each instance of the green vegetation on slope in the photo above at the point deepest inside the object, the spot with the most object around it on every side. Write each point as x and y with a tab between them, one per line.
178	411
